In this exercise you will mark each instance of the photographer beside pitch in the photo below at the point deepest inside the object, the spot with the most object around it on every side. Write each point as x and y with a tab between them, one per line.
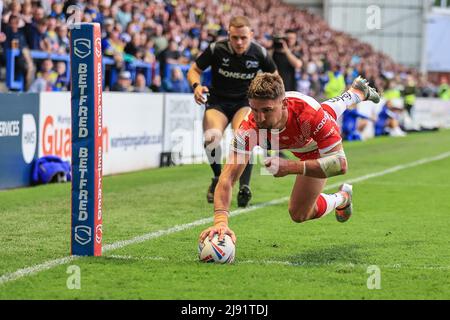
288	62
234	63
297	123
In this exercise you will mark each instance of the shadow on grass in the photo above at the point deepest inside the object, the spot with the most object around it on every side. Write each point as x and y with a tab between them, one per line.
334	254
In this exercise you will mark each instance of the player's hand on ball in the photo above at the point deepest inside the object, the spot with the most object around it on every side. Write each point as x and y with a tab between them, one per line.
220	229
277	166
198	94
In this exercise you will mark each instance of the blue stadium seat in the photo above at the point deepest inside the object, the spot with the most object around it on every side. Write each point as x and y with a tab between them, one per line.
18	83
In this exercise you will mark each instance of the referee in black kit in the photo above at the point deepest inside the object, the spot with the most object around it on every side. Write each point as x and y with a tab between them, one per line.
234	63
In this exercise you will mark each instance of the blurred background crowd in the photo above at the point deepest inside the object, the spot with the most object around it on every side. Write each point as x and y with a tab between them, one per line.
168	35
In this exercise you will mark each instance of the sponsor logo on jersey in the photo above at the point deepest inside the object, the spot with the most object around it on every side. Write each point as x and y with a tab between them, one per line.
226	62
236	75
251	64
321	124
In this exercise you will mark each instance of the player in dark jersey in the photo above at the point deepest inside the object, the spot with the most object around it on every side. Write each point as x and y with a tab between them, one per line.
292	121
234	63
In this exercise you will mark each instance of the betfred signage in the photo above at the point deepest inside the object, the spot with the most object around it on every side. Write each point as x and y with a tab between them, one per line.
55	128
132	140
86	130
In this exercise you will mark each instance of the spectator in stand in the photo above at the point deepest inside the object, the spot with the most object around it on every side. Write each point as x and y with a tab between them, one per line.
27	12
108	27
316	87
193	25
14	38
45	79
62	82
304	84
51	41
63	40
140	85
57	12
113	47
124	14
169	56
156	84
177	82
15	9
123	84
160	41
133	47
93	11
38	12
36	34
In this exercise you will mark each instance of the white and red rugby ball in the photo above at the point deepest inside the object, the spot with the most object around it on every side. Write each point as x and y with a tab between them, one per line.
217	251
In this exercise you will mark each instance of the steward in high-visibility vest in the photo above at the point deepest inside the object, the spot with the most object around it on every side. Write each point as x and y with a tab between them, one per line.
335	85
392	91
444	91
409	94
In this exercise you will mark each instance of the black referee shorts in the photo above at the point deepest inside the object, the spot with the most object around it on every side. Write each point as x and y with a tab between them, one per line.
228	107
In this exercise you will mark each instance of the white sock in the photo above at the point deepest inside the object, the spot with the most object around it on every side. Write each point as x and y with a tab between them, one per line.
333	201
343	102
354	97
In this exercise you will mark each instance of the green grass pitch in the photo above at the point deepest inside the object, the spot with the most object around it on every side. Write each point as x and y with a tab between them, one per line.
400	224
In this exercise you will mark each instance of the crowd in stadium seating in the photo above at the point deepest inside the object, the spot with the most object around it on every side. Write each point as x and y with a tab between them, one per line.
168	33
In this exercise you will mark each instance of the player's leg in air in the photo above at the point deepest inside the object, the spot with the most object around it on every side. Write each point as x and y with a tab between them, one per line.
307	200
244	194
358	92
214	124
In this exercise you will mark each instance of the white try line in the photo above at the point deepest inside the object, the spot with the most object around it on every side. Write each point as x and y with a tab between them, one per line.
296	264
152	235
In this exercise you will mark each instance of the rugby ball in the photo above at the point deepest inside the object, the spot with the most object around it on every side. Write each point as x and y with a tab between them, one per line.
217	251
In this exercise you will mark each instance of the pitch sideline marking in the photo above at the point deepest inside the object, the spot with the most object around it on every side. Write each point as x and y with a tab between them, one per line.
156	234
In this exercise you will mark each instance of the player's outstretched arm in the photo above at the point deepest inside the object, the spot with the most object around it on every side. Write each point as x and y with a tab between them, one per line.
222	196
332	163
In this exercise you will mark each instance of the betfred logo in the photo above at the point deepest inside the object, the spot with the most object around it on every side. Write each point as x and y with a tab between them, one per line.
83	234
82	48
99	234
98	47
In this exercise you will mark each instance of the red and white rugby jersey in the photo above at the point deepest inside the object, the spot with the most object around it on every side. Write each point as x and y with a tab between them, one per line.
310	131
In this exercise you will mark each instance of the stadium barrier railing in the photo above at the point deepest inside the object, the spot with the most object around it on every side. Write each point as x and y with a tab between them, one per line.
17	82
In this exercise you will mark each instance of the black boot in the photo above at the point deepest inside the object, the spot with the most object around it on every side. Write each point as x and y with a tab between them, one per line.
211	189
244	196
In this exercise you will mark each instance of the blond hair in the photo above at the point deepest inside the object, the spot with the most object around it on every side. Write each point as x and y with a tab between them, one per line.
239	22
266	86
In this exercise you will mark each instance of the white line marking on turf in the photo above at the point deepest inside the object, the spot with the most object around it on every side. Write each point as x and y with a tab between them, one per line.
293	264
339	265
120	257
35	269
152	235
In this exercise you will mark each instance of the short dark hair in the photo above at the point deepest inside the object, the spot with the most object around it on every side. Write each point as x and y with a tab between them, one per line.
266	86
239	22
12	17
